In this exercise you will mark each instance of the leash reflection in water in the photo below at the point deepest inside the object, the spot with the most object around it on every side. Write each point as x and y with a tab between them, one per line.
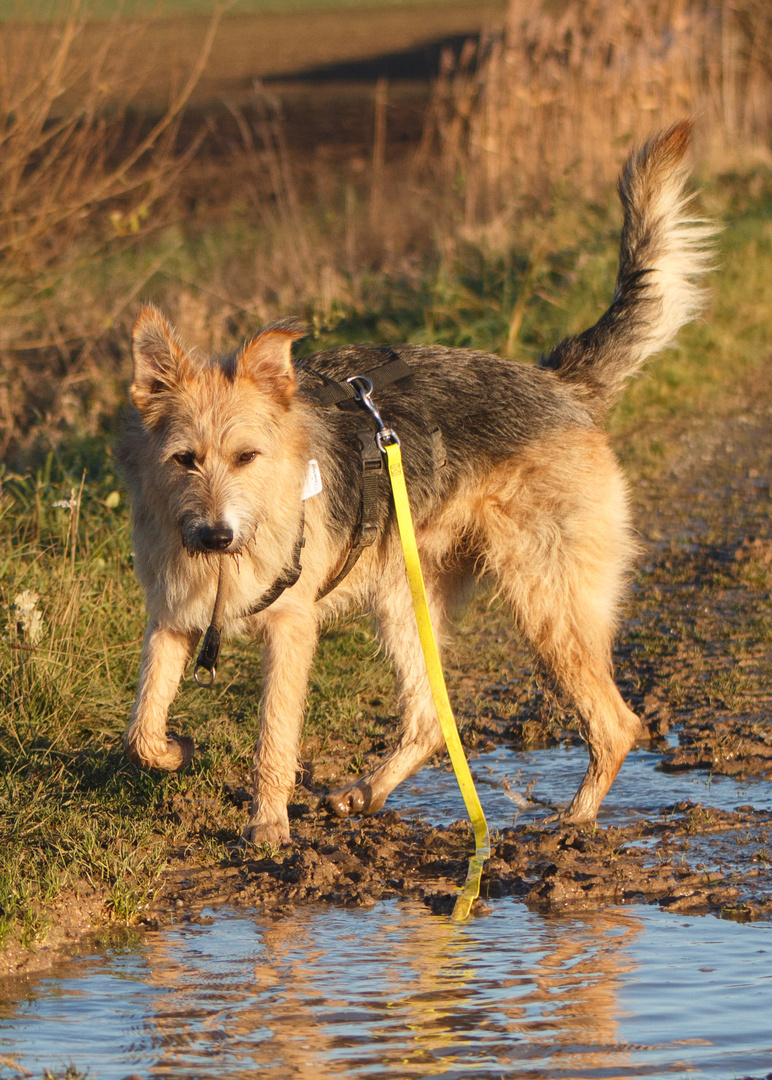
397	992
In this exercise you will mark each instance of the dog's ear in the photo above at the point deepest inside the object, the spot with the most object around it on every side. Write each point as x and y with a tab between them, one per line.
267	358
160	362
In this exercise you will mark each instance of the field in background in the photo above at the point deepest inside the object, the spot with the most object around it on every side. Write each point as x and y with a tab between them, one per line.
162	47
20	10
491	223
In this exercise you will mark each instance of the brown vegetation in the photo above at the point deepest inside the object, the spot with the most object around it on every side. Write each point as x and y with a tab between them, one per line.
569	82
78	176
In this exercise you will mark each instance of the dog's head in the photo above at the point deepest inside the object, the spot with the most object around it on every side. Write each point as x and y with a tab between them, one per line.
217	429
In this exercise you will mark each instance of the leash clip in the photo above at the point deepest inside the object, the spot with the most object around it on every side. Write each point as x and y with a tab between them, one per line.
363	388
207	658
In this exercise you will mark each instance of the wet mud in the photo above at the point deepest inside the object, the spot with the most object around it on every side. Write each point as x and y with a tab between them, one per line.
553	870
694	658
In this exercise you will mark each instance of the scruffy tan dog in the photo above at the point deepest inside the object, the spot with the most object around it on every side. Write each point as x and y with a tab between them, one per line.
510	476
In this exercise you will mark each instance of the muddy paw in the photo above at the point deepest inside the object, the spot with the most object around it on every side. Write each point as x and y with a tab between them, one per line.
176	755
568	817
347	802
265	833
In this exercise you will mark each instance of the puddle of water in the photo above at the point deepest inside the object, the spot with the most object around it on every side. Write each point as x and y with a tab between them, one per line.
397	992
638	791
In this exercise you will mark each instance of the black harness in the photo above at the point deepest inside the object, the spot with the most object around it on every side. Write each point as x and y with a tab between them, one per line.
343	395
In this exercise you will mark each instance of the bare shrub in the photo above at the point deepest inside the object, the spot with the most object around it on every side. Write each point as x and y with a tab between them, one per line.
325	257
81	175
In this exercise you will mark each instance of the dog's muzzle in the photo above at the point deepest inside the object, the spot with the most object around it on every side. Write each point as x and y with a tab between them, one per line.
208	538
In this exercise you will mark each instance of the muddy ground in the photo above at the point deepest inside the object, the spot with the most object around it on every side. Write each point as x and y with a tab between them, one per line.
694	658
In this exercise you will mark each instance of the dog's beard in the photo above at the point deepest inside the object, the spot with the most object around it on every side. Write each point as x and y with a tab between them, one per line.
210	557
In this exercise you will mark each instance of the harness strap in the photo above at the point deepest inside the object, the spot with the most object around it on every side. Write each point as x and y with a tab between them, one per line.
367	529
288	576
343	394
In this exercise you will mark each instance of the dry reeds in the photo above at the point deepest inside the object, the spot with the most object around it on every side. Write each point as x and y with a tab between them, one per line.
560	93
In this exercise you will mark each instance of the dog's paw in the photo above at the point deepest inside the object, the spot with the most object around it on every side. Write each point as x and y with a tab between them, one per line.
177	753
271	834
567	818
356	799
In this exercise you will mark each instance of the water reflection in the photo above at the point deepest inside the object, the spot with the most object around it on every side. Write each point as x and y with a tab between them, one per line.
397	992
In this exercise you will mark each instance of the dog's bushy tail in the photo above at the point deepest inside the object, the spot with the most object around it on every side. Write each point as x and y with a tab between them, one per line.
664	255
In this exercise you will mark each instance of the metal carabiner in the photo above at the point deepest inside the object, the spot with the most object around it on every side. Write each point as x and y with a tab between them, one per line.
204	683
363	388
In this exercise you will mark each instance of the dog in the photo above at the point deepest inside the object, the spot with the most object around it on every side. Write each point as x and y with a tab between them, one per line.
510	475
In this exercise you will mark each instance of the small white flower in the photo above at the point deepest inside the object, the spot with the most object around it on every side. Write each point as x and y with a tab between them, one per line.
29	620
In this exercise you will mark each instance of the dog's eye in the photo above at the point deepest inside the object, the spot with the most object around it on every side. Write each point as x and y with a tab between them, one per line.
246	457
187	460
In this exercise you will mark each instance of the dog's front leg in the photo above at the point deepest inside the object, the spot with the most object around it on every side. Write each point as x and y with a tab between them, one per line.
421	734
290	641
165	652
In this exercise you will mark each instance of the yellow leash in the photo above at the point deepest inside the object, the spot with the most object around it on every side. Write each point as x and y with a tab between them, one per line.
471	888
388	443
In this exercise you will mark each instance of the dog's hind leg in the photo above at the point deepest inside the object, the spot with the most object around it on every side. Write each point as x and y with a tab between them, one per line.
165	652
577	653
558	542
610	728
420	734
290	641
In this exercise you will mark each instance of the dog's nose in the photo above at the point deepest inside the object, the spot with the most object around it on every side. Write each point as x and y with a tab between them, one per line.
216	537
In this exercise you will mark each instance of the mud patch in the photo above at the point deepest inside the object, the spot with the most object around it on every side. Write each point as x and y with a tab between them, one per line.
666	861
727	748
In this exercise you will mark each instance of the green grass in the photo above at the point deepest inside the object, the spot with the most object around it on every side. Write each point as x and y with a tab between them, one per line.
74	815
68	808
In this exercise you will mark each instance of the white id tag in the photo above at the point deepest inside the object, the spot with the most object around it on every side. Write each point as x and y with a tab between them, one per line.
313	484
